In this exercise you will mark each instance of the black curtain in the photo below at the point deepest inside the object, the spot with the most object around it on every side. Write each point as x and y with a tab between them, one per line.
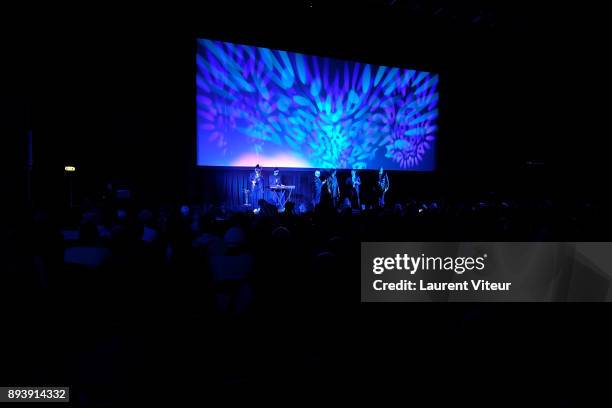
226	186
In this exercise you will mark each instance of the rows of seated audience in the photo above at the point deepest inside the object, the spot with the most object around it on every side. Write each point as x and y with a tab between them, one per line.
120	279
195	237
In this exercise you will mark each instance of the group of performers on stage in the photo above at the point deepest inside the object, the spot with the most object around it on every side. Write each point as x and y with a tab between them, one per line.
326	191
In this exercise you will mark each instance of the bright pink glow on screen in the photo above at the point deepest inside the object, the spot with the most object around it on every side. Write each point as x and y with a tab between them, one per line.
280	160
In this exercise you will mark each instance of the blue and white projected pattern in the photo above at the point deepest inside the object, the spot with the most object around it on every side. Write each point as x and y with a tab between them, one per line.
277	108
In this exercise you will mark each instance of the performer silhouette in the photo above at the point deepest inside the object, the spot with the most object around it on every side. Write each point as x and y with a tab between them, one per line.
257	186
354	188
383	186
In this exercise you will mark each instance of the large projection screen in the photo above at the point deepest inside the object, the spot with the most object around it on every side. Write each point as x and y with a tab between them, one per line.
283	109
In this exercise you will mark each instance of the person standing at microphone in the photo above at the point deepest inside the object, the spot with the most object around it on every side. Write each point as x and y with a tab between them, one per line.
257	186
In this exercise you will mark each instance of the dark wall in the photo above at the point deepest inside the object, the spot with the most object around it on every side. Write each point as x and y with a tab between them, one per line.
117	99
16	97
